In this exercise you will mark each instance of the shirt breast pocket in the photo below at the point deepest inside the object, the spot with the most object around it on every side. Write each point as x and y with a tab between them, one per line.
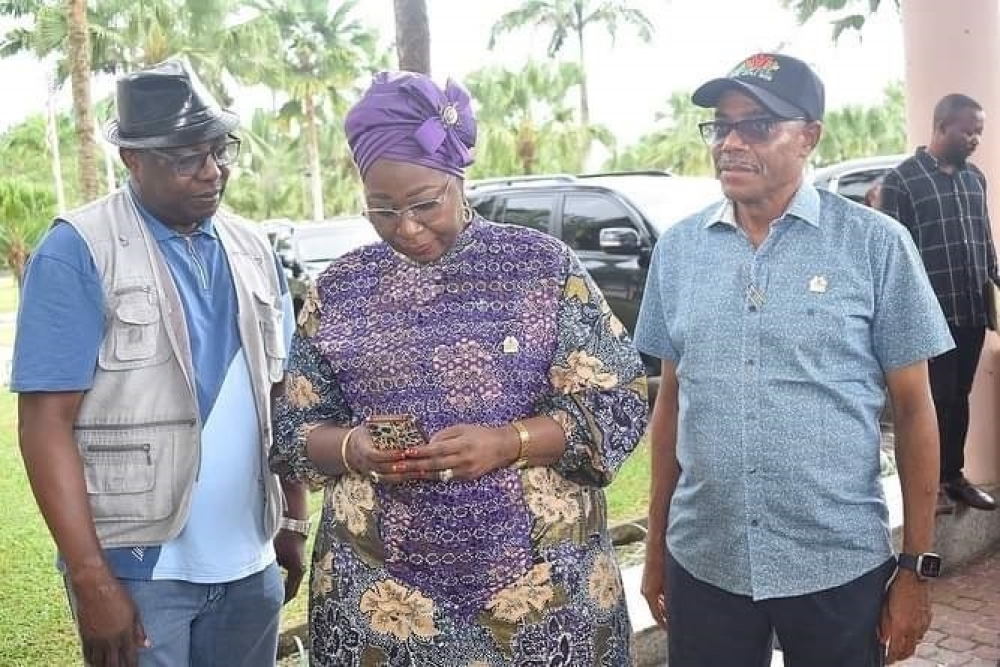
135	337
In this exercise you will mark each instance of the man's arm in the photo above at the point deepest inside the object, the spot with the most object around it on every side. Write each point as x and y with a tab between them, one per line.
895	200
289	545
664	472
906	614
108	621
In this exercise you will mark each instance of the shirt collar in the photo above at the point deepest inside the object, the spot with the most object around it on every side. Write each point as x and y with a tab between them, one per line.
804	206
162	232
931	163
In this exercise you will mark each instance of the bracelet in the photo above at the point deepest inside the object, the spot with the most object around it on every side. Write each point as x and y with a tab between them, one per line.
524	439
300	526
343	450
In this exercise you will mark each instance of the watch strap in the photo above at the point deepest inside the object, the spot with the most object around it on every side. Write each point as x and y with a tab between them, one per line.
300	526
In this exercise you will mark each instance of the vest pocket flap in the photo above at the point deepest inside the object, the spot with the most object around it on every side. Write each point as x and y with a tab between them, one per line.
273	335
137	311
136	336
118	469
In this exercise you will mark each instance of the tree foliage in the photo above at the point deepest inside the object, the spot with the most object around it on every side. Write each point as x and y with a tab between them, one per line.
26	210
849	14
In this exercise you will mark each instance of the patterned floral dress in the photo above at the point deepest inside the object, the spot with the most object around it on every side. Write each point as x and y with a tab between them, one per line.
515	568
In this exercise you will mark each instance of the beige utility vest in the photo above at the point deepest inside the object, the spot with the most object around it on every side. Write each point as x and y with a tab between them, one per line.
138	429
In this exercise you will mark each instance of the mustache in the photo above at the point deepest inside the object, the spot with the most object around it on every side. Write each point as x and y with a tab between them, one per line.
735	162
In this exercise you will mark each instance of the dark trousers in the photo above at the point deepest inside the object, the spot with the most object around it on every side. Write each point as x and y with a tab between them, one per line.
951	383
709	627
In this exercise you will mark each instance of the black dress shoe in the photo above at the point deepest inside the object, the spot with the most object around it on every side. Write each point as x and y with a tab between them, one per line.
962	490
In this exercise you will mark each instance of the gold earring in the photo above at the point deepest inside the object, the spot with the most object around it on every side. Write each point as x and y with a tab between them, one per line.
467	213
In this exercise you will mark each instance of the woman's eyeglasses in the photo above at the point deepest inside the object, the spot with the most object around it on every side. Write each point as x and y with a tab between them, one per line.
190	164
422	211
753	130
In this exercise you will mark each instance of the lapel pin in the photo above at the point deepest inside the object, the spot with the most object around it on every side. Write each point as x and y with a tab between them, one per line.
818	284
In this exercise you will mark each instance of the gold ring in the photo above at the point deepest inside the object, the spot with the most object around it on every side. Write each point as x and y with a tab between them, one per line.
375	476
446	474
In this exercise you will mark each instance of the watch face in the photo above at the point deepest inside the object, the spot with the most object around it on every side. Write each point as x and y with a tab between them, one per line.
929	565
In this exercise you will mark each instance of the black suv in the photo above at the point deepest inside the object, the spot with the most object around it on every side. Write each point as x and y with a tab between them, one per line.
610	220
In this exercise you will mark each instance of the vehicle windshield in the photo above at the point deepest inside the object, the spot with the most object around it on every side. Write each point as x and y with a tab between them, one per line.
329	241
665	200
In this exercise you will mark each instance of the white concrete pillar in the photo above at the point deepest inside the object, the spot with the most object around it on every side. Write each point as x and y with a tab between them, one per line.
953	46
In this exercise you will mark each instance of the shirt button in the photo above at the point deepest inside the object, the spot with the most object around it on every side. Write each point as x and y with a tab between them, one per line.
750	362
752	308
754	522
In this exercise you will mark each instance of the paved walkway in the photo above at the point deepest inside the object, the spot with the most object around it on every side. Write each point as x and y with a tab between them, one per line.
966	626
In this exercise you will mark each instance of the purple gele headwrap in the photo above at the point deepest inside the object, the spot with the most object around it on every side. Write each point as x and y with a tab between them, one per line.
405	116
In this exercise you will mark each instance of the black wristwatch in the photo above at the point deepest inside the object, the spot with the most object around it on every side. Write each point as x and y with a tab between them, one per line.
926	565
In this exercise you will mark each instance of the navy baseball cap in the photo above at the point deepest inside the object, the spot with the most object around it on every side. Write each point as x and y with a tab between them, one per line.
784	85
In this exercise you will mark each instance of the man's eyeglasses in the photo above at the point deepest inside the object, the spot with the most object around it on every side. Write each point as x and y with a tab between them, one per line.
753	130
191	163
422	211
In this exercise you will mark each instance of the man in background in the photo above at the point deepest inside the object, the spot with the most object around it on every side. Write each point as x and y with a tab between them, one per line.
940	198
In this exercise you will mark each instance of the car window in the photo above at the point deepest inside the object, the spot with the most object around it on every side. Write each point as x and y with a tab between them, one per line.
855	184
485	206
584	216
527	210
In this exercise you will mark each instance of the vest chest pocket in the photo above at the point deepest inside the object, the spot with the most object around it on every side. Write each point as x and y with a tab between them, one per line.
135	335
273	335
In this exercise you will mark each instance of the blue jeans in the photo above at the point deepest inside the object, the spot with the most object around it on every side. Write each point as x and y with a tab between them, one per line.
208	625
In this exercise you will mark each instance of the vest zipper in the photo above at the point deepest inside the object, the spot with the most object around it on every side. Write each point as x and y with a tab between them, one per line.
196	259
114	449
122	427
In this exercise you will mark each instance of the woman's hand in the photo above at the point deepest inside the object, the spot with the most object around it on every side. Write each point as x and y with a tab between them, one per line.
363	458
463	451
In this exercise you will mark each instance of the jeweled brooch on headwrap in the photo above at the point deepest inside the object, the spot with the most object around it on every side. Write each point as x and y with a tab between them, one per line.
449	115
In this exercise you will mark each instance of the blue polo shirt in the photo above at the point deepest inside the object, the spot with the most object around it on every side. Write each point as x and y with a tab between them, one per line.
61	323
781	353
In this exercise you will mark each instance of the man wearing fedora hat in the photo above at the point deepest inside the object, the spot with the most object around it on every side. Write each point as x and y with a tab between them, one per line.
784	317
151	335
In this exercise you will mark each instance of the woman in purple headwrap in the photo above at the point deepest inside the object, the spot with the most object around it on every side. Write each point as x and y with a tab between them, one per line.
487	544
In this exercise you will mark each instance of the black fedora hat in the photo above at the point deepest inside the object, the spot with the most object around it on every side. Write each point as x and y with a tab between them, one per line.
166	106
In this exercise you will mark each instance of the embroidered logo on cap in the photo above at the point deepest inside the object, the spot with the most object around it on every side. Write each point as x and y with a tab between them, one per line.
760	66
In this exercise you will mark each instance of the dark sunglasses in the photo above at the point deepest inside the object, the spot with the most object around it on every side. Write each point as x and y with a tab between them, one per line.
191	163
753	130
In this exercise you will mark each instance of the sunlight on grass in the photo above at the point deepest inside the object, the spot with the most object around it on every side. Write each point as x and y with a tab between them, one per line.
34	613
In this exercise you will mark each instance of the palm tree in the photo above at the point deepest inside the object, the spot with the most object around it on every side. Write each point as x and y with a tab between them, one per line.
25	213
859	10
525	125
857	131
322	55
676	147
78	47
413	35
125	35
572	18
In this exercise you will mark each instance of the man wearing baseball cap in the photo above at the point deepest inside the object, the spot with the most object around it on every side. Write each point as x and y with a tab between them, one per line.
784	317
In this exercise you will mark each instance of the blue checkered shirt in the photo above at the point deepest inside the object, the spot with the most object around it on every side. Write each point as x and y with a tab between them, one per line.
781	353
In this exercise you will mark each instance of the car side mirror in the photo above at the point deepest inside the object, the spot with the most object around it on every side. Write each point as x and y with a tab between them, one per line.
620	241
293	265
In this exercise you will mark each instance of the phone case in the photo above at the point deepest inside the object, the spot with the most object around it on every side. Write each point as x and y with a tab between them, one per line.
395	431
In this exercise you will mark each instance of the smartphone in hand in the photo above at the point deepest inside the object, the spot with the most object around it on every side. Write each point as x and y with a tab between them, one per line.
391	432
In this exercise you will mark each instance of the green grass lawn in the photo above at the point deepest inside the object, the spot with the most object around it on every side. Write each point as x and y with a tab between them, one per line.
37	630
33	611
